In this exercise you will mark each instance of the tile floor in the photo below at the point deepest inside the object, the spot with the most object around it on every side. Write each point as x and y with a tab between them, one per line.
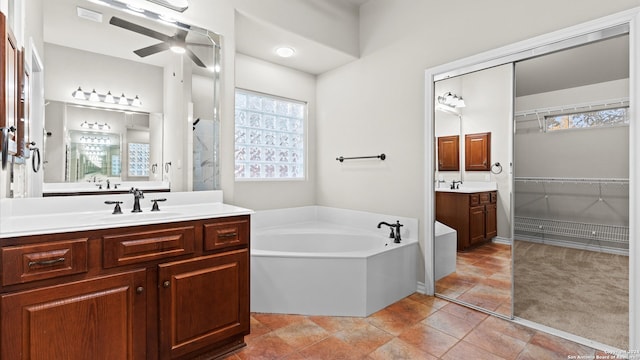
416	327
482	278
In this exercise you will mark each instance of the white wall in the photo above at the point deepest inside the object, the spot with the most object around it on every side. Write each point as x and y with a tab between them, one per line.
376	103
257	75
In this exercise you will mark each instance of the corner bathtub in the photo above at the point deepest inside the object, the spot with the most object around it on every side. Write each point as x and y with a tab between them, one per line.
322	268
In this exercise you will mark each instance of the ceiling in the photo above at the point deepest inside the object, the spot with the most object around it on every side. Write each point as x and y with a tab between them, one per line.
592	63
259	39
62	26
600	61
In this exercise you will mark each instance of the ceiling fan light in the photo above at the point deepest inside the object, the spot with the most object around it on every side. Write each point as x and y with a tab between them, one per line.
178	49
135	8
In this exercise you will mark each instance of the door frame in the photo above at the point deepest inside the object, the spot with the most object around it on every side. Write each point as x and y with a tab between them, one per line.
526	49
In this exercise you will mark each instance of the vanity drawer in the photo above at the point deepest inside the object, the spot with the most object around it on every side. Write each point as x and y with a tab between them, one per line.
494	197
474	199
485	198
141	246
228	232
26	263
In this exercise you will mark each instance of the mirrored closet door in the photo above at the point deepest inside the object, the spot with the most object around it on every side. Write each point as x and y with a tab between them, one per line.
473	115
571	191
531	183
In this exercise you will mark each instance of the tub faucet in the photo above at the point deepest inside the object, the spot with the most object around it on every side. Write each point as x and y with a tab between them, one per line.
395	236
137	195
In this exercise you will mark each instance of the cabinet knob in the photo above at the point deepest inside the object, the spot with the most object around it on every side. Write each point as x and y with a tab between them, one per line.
166	283
139	289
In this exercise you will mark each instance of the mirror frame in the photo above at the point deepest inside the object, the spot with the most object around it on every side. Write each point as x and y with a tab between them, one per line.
536	46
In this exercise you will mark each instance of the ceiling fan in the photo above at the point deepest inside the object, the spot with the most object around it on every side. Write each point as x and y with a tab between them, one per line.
176	43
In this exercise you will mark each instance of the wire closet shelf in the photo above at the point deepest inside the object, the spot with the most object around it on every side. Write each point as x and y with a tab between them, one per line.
600	232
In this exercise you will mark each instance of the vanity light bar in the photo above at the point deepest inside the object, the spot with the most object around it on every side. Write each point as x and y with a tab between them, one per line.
107	98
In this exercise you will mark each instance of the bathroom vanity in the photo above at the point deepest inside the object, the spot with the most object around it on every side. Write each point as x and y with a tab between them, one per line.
472	213
172	284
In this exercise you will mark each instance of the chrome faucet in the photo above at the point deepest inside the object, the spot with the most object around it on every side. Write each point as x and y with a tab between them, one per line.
395	236
137	195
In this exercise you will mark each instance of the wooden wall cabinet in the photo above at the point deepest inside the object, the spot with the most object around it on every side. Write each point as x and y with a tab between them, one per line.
168	291
472	215
477	152
449	153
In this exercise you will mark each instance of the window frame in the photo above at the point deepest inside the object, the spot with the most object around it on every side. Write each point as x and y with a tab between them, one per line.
305	135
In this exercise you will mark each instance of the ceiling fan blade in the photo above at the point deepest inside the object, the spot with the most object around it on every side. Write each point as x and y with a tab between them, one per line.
139	29
150	50
195	59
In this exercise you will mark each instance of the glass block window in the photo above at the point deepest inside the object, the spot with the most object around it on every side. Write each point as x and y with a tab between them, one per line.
139	159
588	119
270	137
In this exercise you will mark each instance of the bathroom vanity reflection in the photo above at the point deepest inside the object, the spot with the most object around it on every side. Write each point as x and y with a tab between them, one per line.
179	96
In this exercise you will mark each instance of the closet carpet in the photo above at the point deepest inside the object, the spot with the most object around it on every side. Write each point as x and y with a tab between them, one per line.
582	292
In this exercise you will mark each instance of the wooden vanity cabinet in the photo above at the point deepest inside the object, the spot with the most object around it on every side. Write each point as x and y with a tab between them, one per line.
472	215
139	292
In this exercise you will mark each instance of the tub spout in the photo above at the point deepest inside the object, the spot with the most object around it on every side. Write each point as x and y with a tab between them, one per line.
395	236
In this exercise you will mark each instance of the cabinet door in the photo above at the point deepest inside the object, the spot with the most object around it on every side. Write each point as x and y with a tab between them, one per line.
476	224
103	318
203	301
477	152
449	153
491	225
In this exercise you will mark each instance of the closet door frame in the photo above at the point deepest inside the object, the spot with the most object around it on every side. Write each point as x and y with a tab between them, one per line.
628	21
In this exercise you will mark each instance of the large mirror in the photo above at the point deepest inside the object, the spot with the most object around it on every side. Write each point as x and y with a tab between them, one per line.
117	71
571	191
559	124
473	226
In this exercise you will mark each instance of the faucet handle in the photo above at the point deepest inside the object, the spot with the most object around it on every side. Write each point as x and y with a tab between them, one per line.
155	204
117	209
99	186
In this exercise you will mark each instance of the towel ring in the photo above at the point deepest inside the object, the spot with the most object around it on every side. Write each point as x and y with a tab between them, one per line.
497	167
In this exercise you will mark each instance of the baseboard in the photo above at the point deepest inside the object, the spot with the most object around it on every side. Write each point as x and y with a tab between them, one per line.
421	288
573	245
502	240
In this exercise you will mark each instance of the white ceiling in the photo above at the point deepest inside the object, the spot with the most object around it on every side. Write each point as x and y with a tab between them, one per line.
62	26
260	39
592	63
569	68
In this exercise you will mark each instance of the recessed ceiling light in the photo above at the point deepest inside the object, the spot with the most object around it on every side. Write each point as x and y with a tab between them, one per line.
285	51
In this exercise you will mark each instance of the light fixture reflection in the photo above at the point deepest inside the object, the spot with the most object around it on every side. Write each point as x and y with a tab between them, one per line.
451	100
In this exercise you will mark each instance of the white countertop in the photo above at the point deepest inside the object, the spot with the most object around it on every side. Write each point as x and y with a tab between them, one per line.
35	216
469	187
